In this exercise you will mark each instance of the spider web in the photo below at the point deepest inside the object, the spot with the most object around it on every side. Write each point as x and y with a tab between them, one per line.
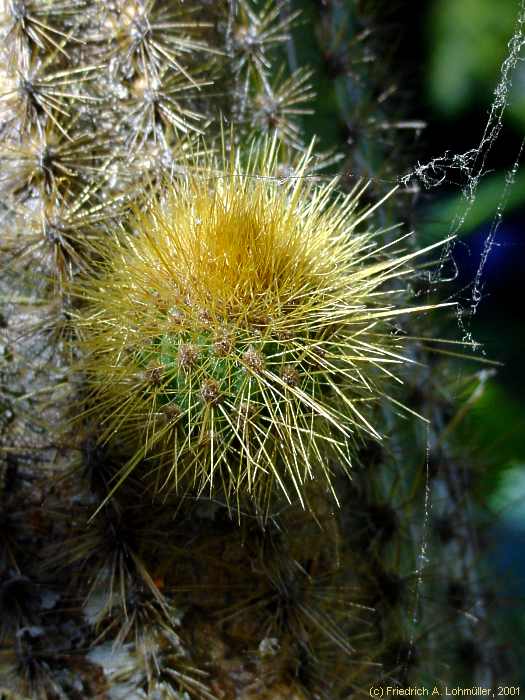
471	166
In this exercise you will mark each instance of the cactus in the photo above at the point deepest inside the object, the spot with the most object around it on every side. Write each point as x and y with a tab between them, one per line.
234	333
216	373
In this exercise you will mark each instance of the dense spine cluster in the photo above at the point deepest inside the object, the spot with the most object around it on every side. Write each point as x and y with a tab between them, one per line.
201	343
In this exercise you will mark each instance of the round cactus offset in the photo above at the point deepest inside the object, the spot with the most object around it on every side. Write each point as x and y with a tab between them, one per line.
237	330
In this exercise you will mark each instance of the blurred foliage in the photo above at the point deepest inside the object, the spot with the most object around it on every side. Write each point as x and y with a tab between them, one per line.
466	44
469	44
439	215
493	425
509	498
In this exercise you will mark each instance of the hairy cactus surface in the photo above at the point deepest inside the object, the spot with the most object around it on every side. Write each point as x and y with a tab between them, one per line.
235	332
227	414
